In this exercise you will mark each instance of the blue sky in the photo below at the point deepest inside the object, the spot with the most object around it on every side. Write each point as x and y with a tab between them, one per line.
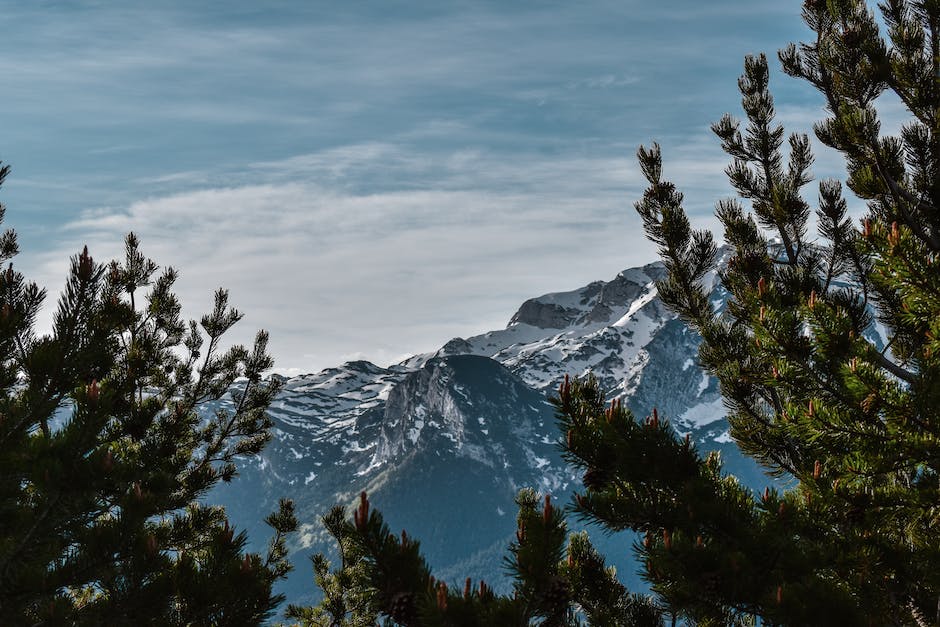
369	179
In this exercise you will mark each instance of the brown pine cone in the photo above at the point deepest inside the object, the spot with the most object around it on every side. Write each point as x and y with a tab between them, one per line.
558	592
596	479
403	609
710	583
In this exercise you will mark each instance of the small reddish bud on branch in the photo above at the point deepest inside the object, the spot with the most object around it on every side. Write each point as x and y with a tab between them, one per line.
895	236
107	462
564	390
85	265
361	515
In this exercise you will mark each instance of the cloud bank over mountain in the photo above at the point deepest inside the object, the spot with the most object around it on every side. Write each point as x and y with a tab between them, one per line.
368	179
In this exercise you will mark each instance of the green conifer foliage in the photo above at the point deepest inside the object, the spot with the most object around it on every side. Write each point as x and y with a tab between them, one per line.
811	392
383	577
104	456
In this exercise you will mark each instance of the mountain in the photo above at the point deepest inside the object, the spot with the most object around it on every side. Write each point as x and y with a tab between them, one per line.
443	441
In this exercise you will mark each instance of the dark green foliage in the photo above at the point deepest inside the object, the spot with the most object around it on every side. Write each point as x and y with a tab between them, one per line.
810	392
384	576
711	550
104	455
348	598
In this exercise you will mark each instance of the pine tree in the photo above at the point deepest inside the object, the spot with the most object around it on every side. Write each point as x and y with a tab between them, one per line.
848	421
811	392
104	454
382	575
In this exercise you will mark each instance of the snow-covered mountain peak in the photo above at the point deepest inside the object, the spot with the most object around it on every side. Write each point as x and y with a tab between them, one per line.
596	303
604	328
617	330
471	421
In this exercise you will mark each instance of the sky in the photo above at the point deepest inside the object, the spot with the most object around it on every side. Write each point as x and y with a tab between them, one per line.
370	179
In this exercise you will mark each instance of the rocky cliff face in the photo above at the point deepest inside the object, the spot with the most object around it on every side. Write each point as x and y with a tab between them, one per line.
470	408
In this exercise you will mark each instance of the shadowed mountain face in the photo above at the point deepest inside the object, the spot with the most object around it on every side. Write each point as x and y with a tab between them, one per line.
442	454
443	441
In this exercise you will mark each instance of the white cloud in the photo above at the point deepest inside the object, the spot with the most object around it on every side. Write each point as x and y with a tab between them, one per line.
332	271
450	161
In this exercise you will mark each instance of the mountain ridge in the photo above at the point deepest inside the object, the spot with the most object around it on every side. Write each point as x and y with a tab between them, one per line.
442	441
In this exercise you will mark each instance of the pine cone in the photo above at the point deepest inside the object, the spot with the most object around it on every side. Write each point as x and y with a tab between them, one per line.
596	479
710	583
558	592
855	514
403	609
815	5
852	38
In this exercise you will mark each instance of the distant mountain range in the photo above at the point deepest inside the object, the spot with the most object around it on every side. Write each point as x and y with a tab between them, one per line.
443	441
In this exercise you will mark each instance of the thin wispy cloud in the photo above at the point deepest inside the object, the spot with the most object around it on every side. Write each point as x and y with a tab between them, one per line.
330	270
369	179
